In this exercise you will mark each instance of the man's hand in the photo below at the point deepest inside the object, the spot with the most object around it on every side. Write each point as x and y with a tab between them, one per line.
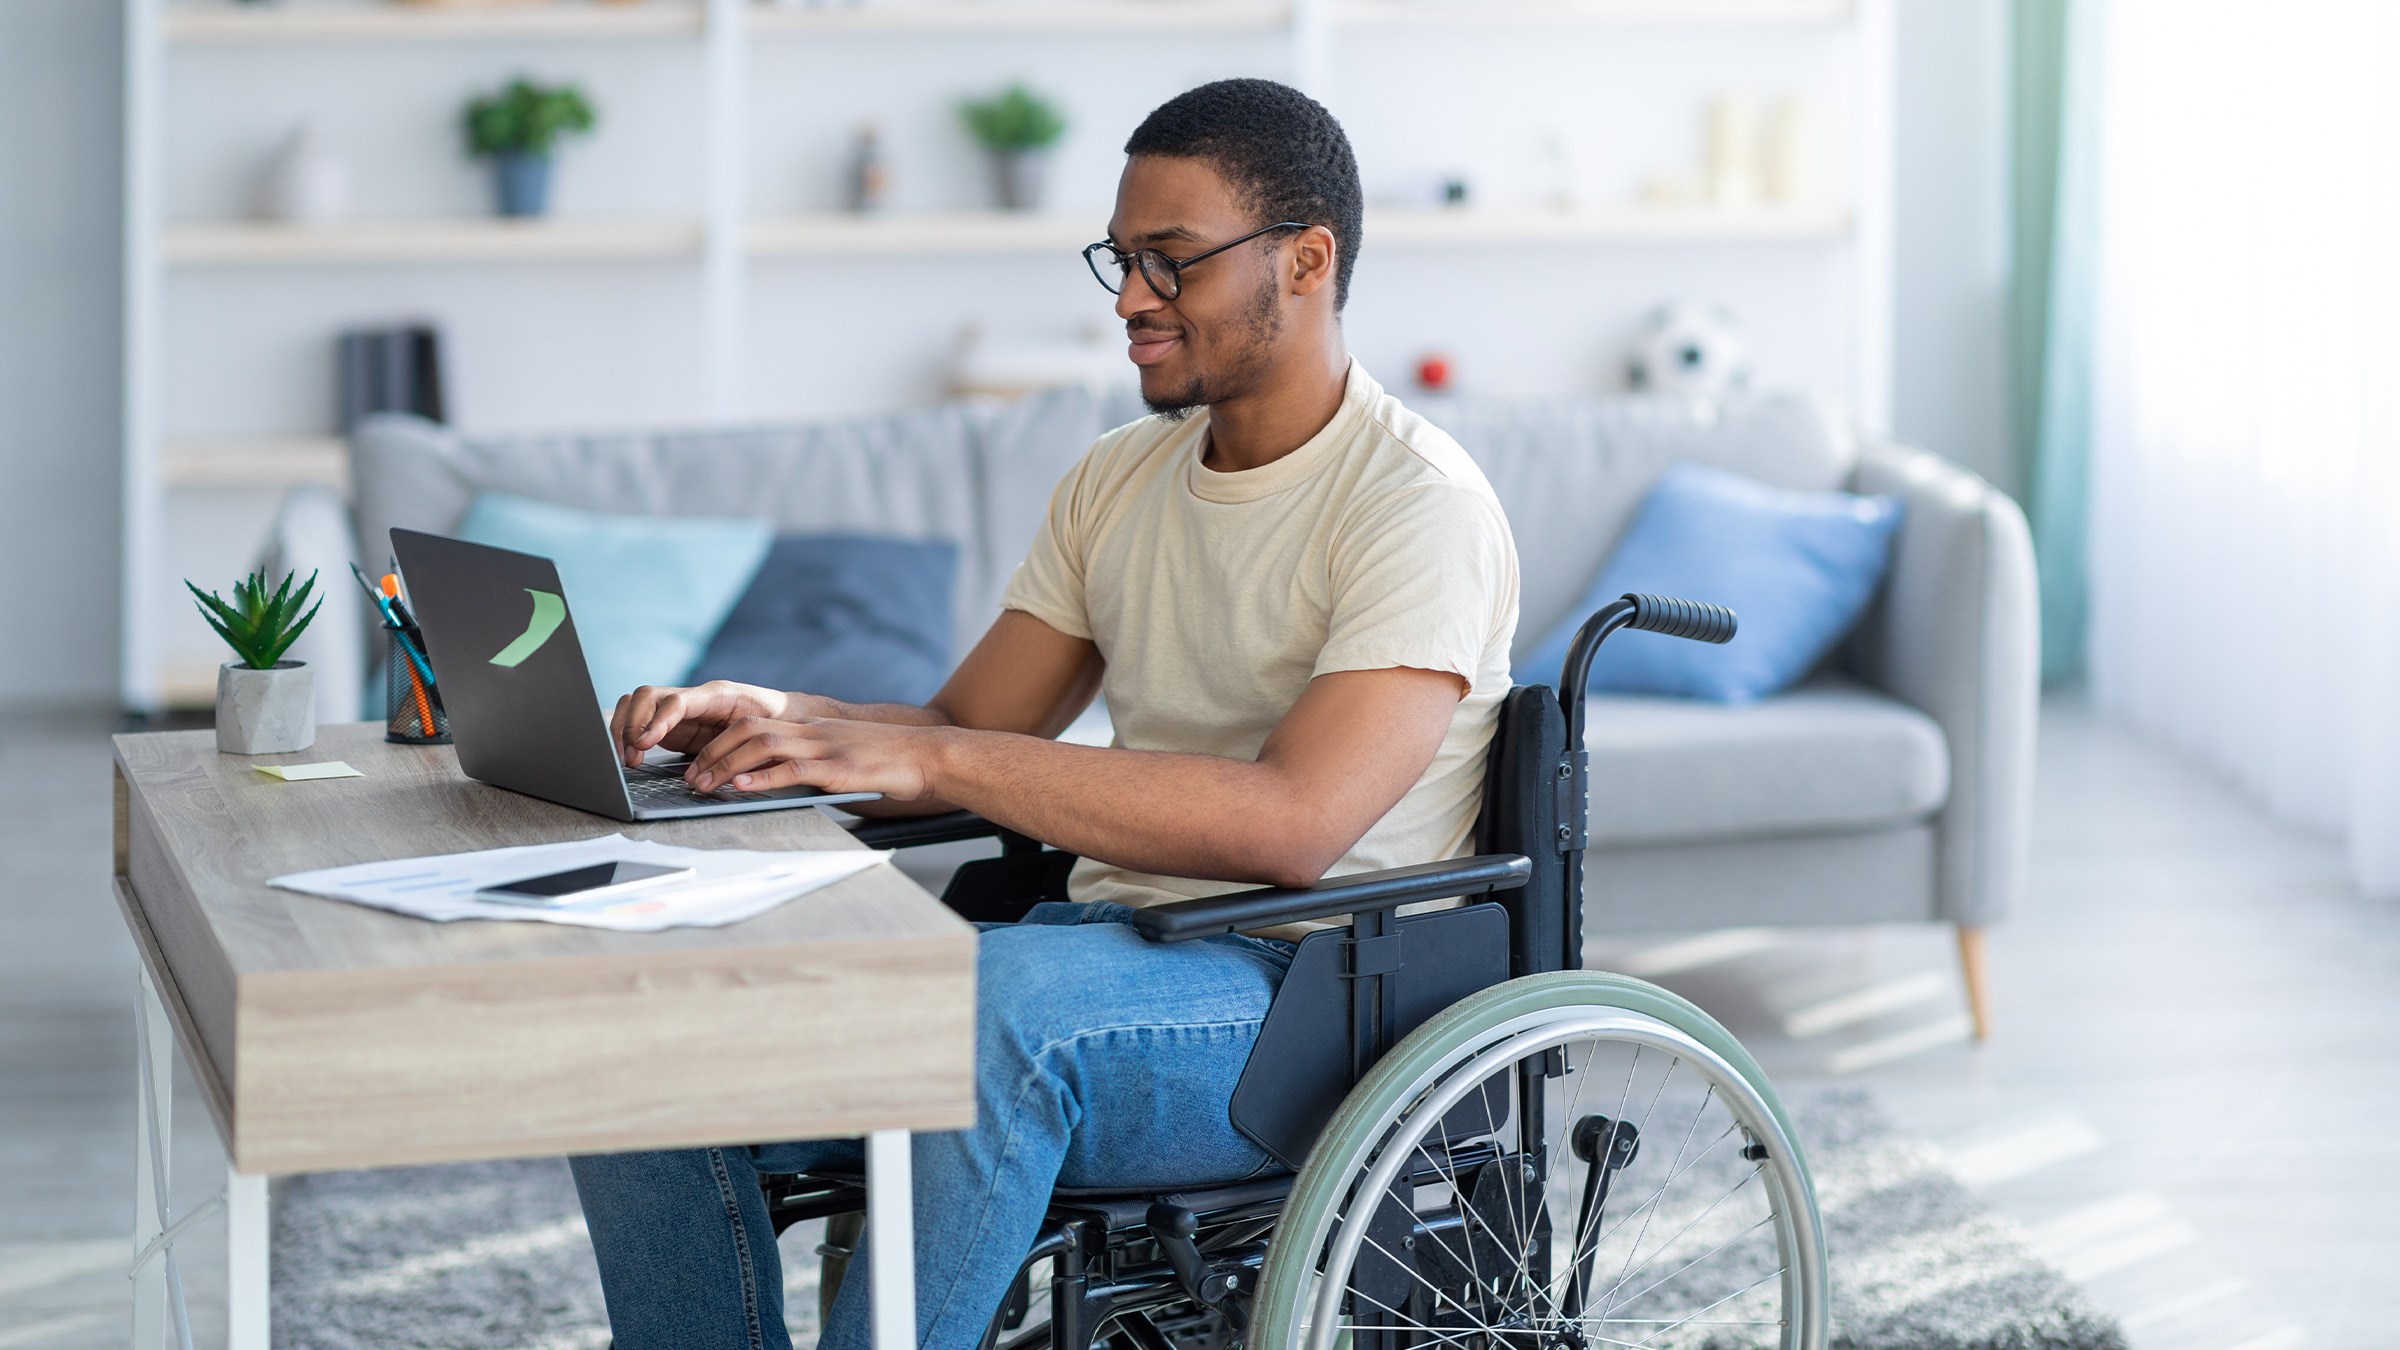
686	719
757	754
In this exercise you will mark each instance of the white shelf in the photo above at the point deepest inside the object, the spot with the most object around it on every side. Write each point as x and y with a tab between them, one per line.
1619	225
840	234
1622	13
361	22
1021	16
467	239
256	462
987	232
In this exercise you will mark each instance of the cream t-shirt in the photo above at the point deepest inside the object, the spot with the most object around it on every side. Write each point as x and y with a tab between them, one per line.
1216	597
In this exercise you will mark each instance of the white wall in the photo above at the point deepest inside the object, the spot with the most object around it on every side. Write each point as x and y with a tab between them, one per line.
59	123
59	79
1950	244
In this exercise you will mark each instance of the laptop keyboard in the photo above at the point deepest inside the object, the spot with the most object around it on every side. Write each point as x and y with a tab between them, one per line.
651	785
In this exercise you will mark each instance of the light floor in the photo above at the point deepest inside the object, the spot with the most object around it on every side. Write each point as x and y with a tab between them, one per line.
2198	1034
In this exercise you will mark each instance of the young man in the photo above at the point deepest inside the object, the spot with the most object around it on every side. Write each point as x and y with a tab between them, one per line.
1297	597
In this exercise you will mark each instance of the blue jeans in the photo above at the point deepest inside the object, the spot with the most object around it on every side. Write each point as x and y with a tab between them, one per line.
1101	1059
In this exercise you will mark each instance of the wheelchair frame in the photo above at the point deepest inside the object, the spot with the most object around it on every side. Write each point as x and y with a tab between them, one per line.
1180	1266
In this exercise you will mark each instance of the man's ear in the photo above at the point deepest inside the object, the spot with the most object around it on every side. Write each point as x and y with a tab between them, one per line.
1315	252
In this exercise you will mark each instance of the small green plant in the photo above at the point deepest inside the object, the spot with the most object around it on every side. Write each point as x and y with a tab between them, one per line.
259	626
1014	119
526	118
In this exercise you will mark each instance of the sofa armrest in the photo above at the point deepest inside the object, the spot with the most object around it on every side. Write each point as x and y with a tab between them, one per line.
1210	916
1955	633
312	533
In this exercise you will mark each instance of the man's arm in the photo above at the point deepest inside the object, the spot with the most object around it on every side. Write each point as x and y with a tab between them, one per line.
1349	749
1023	676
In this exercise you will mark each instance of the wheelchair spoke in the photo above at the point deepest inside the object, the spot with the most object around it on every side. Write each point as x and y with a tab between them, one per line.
1697	1159
1673	1170
1510	1188
1458	1197
1653	1336
1670	1276
1669	1245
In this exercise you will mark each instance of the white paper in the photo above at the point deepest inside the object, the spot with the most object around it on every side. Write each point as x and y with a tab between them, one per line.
727	885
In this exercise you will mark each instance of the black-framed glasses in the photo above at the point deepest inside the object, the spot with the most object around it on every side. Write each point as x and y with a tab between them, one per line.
1113	266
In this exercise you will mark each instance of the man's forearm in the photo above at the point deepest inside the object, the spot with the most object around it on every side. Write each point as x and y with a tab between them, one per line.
1183	815
894	714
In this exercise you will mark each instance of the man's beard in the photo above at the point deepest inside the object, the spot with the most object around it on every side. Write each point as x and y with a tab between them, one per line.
1245	366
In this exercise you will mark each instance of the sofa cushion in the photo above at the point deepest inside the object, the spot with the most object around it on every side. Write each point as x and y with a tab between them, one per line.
646	591
1797	568
1571	472
1831	754
855	617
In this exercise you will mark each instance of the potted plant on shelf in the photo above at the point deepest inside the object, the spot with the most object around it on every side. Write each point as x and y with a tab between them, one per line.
1016	127
517	129
265	704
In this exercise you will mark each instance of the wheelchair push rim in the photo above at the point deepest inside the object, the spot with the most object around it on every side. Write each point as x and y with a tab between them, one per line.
1649	1266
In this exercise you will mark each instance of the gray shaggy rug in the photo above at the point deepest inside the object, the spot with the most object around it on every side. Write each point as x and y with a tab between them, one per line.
494	1256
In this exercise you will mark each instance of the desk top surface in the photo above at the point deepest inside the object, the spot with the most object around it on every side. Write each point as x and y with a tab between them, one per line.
227	828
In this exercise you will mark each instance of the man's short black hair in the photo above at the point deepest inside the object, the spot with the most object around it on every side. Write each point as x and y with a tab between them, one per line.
1278	147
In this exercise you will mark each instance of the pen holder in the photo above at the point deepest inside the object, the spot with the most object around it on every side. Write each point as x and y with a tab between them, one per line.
416	706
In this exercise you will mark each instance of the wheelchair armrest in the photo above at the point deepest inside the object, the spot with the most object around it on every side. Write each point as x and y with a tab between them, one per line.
1183	920
917	831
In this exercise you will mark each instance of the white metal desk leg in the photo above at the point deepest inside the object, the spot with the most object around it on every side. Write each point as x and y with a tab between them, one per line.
245	1260
892	1228
153	1110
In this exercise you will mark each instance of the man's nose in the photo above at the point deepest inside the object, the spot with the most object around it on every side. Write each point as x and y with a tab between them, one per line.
1136	297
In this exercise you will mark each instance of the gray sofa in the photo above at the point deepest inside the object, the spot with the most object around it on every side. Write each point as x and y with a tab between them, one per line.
1891	786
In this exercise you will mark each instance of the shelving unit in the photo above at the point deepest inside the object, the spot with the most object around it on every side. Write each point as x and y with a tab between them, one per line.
710	249
220	22
1020	16
262	244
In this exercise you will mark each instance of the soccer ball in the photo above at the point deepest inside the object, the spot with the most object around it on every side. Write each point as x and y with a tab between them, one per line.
1689	347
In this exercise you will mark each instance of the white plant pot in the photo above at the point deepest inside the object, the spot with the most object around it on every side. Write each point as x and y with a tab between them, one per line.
265	712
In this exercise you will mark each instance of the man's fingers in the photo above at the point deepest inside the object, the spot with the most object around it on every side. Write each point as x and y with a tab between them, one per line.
747	747
664	714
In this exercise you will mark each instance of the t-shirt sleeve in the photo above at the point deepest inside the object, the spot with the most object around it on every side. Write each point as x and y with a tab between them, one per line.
1049	584
1428	581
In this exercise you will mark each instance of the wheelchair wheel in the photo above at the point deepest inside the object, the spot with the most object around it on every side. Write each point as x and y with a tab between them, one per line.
1568	1161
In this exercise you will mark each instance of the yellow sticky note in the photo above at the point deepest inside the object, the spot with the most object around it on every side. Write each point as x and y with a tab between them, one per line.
295	773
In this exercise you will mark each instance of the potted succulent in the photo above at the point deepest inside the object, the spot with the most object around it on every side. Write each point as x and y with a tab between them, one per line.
265	704
517	129
1016	127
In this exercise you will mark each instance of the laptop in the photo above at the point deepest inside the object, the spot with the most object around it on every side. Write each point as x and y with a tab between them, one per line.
522	709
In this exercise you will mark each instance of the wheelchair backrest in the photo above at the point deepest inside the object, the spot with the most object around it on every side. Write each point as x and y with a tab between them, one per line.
1533	804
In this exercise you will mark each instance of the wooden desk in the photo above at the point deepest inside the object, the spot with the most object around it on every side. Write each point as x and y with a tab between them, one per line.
327	1035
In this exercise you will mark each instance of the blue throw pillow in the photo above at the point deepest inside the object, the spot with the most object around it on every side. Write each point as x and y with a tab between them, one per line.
1796	568
860	618
646	591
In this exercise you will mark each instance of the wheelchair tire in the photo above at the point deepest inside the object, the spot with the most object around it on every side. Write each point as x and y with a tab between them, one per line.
1453	1199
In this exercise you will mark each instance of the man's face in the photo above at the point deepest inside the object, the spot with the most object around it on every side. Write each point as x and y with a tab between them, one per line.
1215	340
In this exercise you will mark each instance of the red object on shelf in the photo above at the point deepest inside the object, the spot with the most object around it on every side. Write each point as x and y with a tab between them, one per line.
1433	373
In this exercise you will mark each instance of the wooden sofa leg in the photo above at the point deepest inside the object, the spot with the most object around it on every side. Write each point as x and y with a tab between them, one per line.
1970	962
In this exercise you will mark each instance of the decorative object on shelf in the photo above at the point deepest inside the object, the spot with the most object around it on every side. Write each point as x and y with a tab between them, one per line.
388	370
1435	374
1456	191
1016	127
1783	168
265	704
307	183
1689	347
866	183
517	129
1733	169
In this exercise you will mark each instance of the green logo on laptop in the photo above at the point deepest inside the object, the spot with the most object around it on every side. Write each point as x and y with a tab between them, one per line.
548	613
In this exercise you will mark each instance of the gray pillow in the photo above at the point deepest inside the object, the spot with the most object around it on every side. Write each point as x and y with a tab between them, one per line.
861	618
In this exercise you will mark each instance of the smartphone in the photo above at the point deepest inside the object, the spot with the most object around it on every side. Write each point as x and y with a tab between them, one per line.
582	883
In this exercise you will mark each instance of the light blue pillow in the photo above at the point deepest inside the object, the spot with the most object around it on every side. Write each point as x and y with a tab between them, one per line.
647	592
1796	568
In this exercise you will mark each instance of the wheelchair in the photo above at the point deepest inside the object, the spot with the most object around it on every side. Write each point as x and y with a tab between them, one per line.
1490	1147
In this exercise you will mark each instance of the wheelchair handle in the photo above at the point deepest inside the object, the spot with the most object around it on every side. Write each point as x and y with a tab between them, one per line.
1694	619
